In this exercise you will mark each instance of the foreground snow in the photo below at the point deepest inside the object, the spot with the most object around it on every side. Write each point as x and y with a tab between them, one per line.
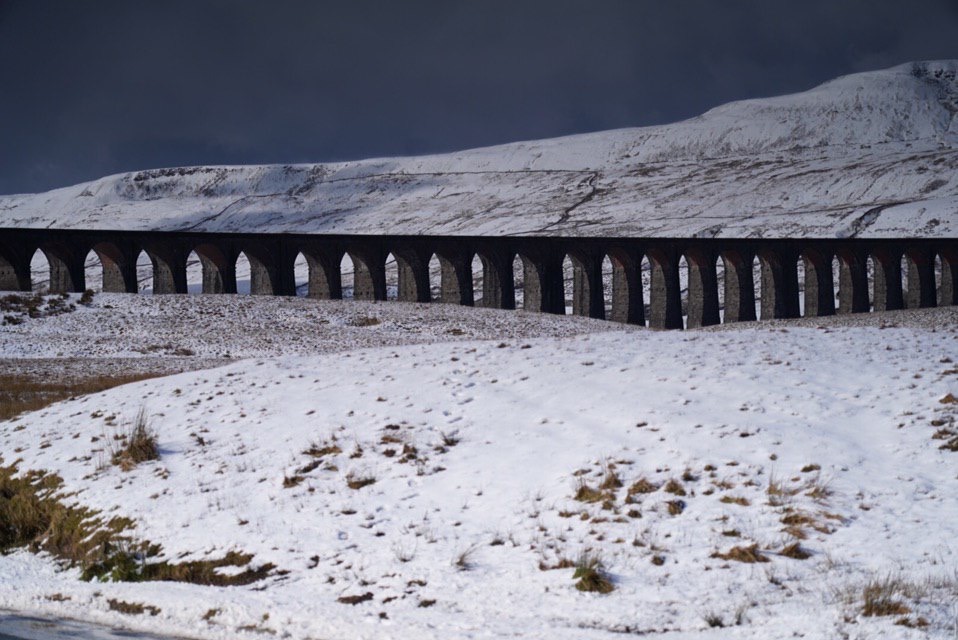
869	155
477	449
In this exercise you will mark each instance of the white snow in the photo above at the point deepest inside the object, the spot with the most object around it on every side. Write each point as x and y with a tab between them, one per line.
868	155
732	411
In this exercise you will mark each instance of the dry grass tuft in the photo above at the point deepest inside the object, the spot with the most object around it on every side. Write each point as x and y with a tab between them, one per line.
880	597
132	608
643	485
674	487
591	576
138	445
735	500
584	492
750	554
358	481
795	551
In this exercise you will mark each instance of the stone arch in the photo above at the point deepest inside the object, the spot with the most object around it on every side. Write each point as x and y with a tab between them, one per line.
779	280
852	281
478	271
665	300
498	279
15	268
61	270
888	278
451	277
948	289
921	278
218	272
117	270
817	279
369	274
407	273
738	268
542	282
701	299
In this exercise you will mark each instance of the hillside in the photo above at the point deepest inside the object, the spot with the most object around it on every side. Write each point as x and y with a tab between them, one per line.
746	483
868	155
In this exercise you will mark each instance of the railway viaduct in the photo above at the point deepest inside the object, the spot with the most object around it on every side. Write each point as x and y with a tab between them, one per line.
272	256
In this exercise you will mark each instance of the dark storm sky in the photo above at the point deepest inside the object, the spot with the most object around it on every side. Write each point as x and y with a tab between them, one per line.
92	87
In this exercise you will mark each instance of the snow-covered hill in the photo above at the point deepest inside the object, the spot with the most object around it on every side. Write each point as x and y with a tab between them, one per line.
708	467
868	155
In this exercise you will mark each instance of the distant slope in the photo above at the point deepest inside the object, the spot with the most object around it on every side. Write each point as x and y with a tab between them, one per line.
868	155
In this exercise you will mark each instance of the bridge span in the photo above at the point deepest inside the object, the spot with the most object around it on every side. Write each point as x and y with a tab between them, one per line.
795	275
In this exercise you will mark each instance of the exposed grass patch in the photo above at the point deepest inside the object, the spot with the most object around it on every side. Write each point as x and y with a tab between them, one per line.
795	551
19	394
750	554
674	487
138	444
358	481
591	575
132	608
739	500
642	485
33	515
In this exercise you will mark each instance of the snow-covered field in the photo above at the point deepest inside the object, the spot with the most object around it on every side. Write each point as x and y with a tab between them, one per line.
867	155
477	449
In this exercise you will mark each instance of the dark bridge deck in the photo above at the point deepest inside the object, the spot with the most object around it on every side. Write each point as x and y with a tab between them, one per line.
873	274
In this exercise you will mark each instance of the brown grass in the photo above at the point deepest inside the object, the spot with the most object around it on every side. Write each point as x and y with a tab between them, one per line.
591	576
674	487
138	445
880	598
734	500
19	394
795	551
33	516
750	554
356	481
642	485
132	608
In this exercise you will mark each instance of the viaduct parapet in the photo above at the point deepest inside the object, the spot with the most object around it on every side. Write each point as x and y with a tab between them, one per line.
928	267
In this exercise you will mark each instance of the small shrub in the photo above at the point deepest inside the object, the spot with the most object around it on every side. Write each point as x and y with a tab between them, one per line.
591	576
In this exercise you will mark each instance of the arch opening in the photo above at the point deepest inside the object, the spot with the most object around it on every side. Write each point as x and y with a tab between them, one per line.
244	274
570	283
645	273
40	272
870	275
478	280
519	281
93	271
144	273
301	275
684	275
939	292
836	273
194	273
392	277
607	276
720	285
434	269
757	286
347	271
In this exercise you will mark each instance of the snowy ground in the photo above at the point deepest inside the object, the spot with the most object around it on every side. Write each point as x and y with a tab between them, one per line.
478	449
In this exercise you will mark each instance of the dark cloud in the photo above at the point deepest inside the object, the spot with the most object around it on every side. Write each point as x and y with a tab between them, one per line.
89	88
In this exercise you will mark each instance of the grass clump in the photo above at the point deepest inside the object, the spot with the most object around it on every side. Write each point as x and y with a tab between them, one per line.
591	575
20	394
880	597
642	485
749	554
132	608
34	516
358	481
674	487
138	445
